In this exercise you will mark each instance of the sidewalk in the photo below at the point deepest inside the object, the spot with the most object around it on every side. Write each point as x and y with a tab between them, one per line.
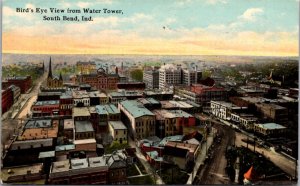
200	159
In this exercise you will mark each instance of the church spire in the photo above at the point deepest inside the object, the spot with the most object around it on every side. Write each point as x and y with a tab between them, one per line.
50	69
60	76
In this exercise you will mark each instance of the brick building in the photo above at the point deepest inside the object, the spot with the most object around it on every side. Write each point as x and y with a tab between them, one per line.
24	82
7	99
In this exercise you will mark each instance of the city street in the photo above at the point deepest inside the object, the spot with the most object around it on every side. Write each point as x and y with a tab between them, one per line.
11	126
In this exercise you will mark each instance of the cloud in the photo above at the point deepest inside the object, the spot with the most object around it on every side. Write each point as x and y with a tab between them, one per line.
251	14
182	2
213	2
83	4
29	5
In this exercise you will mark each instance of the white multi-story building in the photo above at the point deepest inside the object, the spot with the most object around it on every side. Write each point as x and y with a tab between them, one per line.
151	78
169	75
191	76
223	110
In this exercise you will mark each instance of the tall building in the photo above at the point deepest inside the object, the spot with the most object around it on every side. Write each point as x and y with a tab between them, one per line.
169	75
24	82
54	81
151	78
191	76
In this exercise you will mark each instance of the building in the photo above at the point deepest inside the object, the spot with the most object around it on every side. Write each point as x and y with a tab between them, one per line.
94	98
101	80
191	76
150	103
106	113
159	95
53	81
48	96
117	163
7	99
81	114
84	130
81	98
79	171
66	103
131	86
138	119
201	94
151	78
85	67
273	112
103	98
45	108
25	173
246	121
69	129
169	75
118	131
23	82
180	153
39	129
16	92
116	97
223	110
270	130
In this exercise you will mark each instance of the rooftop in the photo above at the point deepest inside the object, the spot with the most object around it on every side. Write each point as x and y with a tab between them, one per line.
79	163
117	125
97	161
27	144
17	78
47	154
84	141
226	104
83	126
78	94
64	147
60	166
271	126
107	109
81	111
38	123
39	133
165	140
51	102
68	124
148	101
154	155
20	170
135	108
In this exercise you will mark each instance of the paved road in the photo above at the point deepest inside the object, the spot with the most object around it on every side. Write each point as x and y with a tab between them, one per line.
214	171
287	165
10	127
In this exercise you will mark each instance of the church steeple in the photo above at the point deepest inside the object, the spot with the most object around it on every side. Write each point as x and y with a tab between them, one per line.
50	70
60	77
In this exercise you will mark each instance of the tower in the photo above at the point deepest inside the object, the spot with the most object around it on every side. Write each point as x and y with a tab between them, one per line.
50	70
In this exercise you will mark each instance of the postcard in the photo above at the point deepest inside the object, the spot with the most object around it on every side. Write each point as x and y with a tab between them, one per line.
142	92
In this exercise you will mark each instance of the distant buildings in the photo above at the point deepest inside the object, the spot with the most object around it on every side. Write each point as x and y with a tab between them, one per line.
101	80
85	67
270	130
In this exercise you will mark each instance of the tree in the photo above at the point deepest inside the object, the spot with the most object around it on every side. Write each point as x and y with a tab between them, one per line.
137	74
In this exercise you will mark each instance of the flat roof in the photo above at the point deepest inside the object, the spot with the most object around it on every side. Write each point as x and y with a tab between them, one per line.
38	123
47	154
227	104
117	125
271	126
180	113
60	166
154	155
135	108
165	140
148	101
79	163
27	144
80	111
84	141
20	170
65	147
68	124
107	109
97	161
83	126
51	102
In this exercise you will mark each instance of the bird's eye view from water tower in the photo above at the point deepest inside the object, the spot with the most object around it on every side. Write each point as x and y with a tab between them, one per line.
141	92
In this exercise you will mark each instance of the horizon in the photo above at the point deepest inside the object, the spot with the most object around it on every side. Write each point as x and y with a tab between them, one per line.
216	28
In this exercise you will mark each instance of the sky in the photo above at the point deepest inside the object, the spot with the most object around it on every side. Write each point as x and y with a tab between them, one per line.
152	27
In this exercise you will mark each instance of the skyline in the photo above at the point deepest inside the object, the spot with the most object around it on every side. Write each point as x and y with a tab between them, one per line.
189	27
